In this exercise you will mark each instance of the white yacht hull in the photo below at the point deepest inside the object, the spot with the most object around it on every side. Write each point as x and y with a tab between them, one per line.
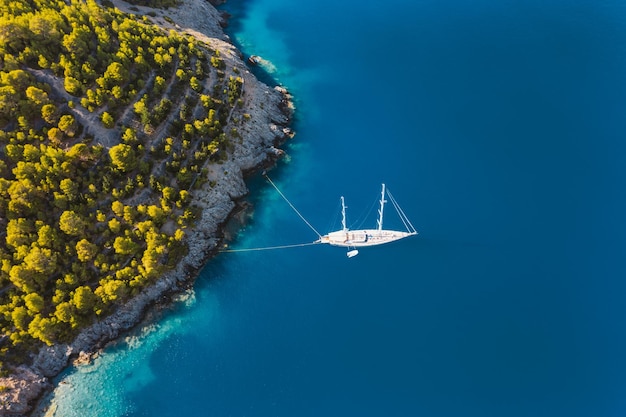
363	238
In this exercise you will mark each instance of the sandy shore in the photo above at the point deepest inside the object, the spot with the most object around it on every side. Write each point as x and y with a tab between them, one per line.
266	127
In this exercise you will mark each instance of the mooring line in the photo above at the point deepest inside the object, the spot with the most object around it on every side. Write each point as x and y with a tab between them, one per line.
270	247
292	206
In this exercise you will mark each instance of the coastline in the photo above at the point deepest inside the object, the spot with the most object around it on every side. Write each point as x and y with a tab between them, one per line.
268	112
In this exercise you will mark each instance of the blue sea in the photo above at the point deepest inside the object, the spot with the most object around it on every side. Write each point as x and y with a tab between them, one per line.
500	128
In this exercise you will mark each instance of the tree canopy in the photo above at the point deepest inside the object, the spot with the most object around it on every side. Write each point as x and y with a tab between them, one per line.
105	122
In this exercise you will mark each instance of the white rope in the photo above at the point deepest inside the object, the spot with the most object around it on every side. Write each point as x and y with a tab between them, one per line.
291	205
403	217
270	247
363	218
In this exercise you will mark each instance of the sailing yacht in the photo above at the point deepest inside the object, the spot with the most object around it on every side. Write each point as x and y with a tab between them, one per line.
368	237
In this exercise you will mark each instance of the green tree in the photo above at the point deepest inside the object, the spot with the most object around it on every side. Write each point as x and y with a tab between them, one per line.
37	95
55	135
24	278
9	100
156	213
73	86
70	188
124	245
112	290
34	302
195	84
159	85
117	207
18	78
47	237
123	157
43	328
26	198
129	136
115	74
41	260
84	299
115	225
107	120
150	262
72	223
141	109
129	214
20	318
64	312
77	43
86	250
68	125
31	153
19	232
169	194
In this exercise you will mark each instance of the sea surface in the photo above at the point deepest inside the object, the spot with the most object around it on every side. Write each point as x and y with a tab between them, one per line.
500	128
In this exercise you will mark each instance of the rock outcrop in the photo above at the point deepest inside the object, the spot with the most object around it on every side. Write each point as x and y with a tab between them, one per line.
267	112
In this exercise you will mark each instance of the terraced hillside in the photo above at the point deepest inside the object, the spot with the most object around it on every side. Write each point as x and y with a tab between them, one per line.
113	134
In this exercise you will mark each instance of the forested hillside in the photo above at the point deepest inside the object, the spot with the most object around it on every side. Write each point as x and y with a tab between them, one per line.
106	125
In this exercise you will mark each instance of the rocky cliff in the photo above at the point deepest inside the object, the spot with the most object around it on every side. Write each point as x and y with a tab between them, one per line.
262	123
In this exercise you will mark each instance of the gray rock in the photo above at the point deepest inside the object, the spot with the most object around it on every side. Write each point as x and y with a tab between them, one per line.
262	132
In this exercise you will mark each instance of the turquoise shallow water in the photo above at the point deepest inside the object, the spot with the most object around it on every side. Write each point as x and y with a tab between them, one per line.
499	126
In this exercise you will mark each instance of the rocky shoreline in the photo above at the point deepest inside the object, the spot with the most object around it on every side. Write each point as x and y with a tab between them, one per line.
268	112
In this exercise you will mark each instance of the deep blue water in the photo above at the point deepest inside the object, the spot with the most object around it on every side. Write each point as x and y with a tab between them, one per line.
499	126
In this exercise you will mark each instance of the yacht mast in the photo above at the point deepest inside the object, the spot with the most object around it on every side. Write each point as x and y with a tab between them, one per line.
382	206
343	215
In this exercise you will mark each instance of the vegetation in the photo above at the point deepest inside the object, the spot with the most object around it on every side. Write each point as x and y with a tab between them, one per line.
158	4
105	123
